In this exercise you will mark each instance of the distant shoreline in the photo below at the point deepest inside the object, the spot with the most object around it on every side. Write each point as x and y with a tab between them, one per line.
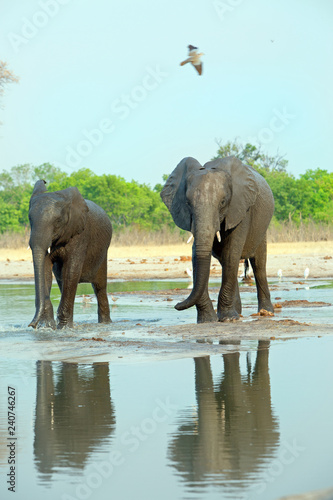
171	261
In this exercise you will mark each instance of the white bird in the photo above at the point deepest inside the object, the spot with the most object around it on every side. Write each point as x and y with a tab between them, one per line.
194	58
189	273
114	299
279	273
306	273
247	274
86	299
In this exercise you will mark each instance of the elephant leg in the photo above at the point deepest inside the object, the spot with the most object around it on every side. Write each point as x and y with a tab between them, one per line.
100	286
237	299
69	281
258	263
57	271
229	303
47	318
205	309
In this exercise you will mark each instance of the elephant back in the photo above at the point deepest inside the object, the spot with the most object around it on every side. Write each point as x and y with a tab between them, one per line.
99	221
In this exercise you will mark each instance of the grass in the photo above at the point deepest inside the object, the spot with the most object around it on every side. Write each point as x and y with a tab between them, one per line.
127	237
278	232
9	239
289	231
137	237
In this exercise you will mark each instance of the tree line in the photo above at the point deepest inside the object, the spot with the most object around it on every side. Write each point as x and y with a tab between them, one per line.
132	204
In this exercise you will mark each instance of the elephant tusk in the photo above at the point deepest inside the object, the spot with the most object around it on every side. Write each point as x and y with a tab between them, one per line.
28	247
218	236
190	239
49	250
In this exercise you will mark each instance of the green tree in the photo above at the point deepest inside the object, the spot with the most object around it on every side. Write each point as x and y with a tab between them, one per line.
310	196
253	156
48	172
316	187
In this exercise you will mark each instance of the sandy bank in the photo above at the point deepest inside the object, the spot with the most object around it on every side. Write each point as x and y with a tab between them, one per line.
171	261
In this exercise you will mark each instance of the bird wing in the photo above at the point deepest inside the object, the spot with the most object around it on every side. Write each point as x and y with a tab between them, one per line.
198	67
186	61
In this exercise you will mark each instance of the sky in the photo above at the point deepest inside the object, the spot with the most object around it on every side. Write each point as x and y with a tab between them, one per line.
101	86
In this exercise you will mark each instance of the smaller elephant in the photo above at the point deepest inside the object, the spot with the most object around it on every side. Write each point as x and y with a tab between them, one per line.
227	206
69	236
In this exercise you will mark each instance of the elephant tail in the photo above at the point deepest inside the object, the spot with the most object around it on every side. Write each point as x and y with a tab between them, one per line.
246	267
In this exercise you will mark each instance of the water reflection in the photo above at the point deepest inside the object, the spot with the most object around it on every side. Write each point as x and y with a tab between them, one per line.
74	415
233	430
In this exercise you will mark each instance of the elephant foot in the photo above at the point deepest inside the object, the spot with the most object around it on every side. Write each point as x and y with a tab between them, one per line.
228	315
266	305
206	318
105	320
206	314
64	323
43	323
61	326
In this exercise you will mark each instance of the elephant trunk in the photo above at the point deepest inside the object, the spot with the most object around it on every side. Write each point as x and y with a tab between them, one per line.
39	271
201	267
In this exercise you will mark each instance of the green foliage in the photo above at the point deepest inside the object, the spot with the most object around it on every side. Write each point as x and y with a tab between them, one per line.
134	205
309	197
253	156
126	203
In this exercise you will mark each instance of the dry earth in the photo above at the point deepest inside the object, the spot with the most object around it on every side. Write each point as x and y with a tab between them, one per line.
171	261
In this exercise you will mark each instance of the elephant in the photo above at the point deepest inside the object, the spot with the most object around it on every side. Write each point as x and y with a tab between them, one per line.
74	415
70	236
233	430
227	206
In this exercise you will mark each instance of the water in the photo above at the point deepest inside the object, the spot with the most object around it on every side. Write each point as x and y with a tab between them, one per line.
136	301
252	423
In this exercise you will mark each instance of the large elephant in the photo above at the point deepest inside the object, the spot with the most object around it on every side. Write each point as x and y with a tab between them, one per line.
233	432
227	206
70	236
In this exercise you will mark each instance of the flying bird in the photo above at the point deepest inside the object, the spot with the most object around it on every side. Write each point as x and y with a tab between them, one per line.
194	58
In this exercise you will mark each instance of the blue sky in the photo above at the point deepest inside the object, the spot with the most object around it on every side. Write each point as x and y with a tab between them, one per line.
101	86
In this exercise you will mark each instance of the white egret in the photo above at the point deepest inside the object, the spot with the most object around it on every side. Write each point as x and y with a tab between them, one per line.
189	273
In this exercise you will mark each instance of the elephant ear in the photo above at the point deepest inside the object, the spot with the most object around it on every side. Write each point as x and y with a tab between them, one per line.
74	212
39	188
244	190
173	193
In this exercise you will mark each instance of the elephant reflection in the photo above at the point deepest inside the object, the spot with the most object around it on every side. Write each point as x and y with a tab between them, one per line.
74	413
234	428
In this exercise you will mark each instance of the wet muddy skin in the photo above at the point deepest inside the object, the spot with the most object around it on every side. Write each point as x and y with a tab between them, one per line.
238	410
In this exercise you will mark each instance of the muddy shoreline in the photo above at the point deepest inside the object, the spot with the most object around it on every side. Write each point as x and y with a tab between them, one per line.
125	341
